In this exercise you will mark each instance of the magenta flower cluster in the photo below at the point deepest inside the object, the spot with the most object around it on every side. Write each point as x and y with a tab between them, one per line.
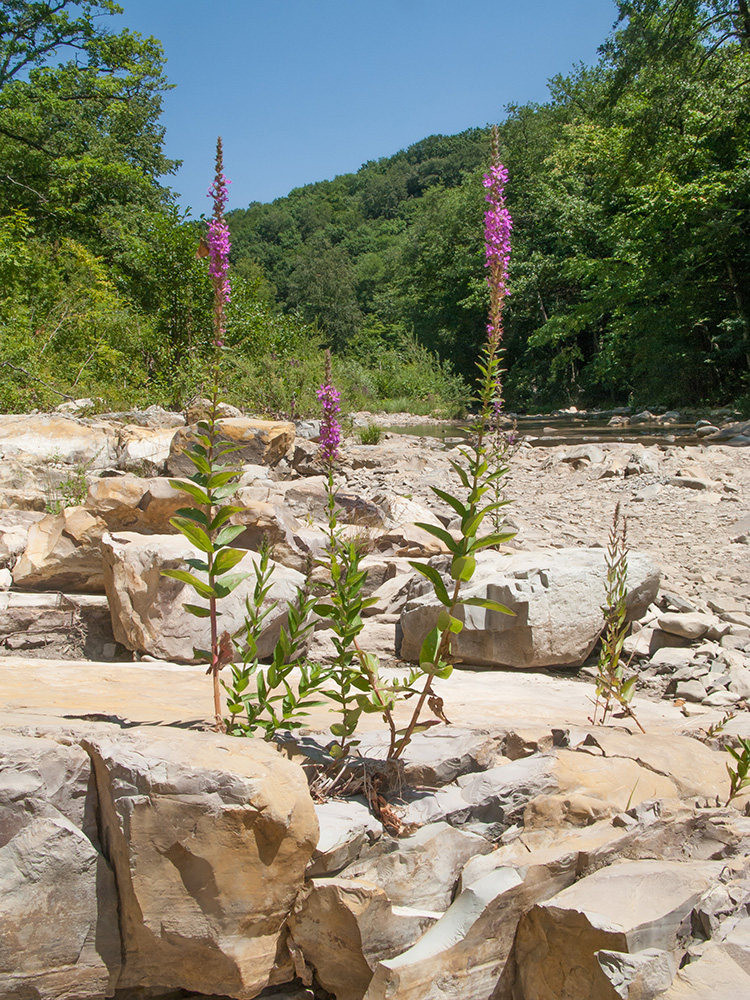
219	245
497	229
330	429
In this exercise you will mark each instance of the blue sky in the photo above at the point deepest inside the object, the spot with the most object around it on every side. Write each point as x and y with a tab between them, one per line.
302	90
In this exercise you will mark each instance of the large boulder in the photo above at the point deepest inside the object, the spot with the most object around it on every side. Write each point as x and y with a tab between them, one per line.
556	597
209	837
257	442
628	907
63	552
43	438
147	607
59	934
130	503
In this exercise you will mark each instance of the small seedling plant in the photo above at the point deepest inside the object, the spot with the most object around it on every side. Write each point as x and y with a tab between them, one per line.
612	688
739	771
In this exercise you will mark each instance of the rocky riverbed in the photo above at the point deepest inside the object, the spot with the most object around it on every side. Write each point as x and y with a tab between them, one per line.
518	853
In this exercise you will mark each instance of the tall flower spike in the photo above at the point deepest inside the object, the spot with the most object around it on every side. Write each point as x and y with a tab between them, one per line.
497	229
219	245
330	429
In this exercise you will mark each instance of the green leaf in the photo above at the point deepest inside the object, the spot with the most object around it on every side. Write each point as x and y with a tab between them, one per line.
447	539
430	646
228	534
483	602
193	514
191	489
462	568
452	501
217	479
197	610
193	533
431	574
461	473
198	585
226	559
447	621
486	540
229	583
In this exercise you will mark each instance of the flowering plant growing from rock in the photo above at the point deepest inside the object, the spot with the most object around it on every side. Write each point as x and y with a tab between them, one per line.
611	684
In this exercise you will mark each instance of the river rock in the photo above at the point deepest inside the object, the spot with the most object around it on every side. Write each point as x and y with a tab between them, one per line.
147	608
45	438
421	870
63	552
627	907
209	837
59	934
556	598
259	442
344	927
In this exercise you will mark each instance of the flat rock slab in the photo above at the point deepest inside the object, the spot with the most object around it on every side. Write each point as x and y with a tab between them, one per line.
160	692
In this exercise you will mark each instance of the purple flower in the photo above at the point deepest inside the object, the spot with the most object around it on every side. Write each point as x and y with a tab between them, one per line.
497	229
330	429
219	245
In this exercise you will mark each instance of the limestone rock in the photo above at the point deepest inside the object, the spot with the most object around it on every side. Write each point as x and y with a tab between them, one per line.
421	870
347	828
63	552
144	449
14	534
344	927
131	503
643	975
556	598
689	626
52	437
627	907
713	976
261	442
147	611
209	837
59	933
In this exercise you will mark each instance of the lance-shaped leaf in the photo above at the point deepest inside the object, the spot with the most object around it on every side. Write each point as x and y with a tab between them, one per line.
486	540
229	583
198	611
484	602
191	489
452	501
462	568
226	559
428	652
447	621
198	585
193	532
228	534
445	537
435	579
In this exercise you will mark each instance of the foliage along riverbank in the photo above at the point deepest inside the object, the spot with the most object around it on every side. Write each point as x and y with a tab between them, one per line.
629	189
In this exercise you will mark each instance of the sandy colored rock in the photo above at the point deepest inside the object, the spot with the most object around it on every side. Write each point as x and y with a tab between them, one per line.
52	437
344	927
144	449
260	442
63	552
147	608
556	598
626	907
209	837
131	503
59	933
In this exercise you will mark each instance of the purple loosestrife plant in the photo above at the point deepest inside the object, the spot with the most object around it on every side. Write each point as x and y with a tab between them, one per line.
355	683
477	475
218	242
206	523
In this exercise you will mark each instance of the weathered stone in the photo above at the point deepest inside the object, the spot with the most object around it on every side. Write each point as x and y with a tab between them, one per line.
556	599
713	976
59	933
344	927
347	828
144	449
147	608
209	837
441	754
627	907
51	626
689	626
422	870
63	552
14	534
130	503
262	442
642	976
46	438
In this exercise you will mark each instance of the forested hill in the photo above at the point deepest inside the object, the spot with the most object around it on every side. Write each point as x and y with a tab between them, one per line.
630	194
630	275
